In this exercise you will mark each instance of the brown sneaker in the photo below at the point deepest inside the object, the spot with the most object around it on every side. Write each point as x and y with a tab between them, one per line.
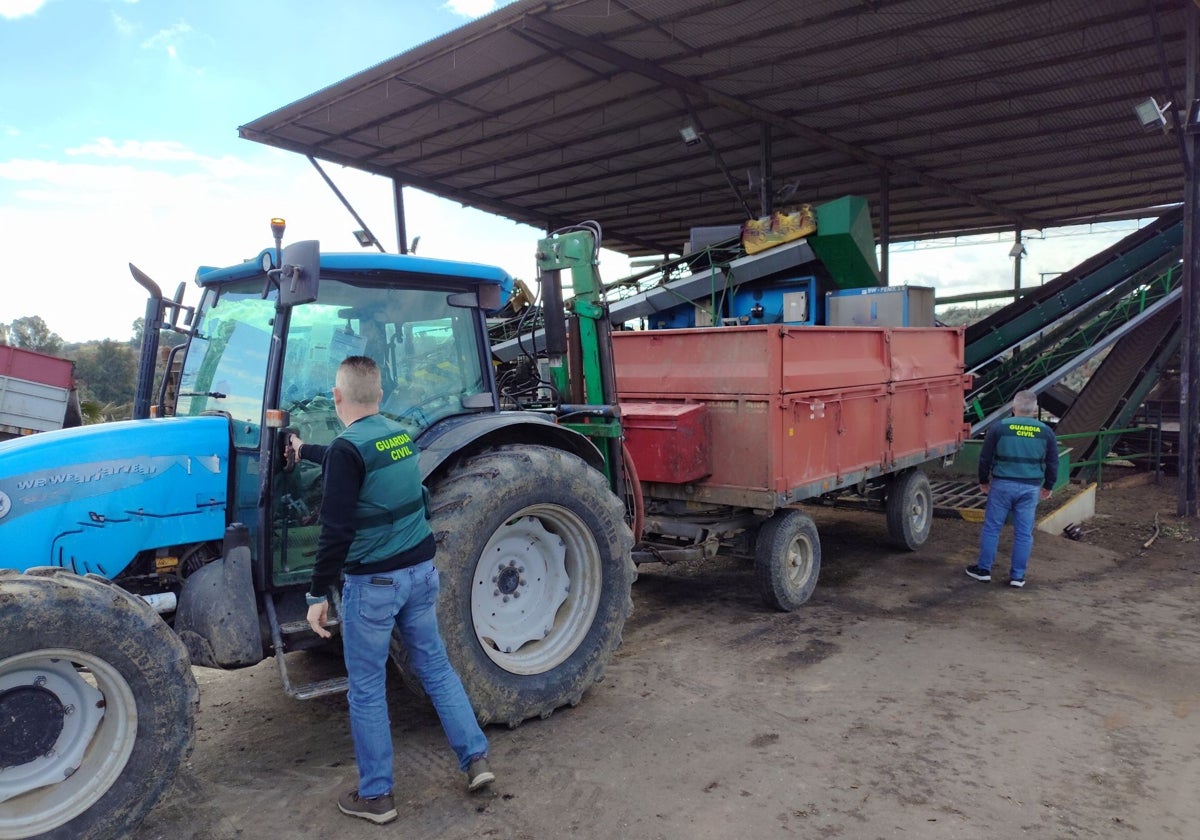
378	809
479	774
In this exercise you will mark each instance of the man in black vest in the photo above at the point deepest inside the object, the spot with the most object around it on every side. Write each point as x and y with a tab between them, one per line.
1018	465
374	531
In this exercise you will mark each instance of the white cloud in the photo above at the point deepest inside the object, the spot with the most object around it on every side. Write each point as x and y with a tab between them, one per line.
13	9
104	147
71	226
472	8
167	39
123	26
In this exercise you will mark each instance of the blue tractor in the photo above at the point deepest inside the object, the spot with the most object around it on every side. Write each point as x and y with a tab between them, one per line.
135	550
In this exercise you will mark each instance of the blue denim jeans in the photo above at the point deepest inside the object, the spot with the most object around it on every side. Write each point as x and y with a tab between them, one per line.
371	609
1021	500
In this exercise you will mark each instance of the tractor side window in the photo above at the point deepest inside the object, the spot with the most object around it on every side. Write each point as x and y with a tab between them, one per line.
435	366
319	337
227	362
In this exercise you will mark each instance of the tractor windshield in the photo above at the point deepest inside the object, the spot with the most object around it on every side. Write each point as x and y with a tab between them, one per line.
427	352
227	360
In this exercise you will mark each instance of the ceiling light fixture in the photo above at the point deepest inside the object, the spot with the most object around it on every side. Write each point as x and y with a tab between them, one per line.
690	136
1151	115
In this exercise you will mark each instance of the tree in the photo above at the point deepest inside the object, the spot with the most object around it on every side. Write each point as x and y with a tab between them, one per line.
3	333
106	372
31	333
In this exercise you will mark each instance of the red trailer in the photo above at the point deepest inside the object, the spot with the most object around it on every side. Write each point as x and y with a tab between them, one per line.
37	392
728	429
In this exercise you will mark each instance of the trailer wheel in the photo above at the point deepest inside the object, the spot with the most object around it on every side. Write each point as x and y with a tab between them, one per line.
787	559
536	573
909	510
97	707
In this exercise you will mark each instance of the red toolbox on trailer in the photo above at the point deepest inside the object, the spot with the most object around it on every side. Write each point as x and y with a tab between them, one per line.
668	442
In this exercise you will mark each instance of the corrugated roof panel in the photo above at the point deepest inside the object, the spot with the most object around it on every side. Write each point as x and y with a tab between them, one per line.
546	109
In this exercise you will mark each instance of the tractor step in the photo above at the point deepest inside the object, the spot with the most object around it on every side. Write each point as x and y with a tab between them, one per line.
292	630
298	628
307	691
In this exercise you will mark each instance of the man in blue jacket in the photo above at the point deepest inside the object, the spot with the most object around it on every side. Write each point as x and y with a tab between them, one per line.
374	535
1018	465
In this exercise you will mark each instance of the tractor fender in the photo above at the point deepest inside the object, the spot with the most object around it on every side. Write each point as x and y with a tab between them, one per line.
465	434
217	616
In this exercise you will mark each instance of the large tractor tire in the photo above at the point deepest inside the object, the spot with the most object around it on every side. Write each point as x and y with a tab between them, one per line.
534	555
97	707
909	510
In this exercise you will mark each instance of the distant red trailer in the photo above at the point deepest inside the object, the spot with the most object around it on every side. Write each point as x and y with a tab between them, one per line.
37	392
730	428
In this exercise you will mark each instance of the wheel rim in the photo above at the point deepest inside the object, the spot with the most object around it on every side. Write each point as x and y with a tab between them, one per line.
90	749
918	511
798	561
536	589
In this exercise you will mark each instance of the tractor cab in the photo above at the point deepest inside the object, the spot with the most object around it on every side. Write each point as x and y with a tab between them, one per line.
265	356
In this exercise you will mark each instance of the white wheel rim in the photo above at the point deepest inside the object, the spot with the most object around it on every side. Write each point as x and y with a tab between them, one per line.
918	512
798	561
90	752
536	589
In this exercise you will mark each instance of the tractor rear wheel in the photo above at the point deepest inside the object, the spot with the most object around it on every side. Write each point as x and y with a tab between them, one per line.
97	707
534	555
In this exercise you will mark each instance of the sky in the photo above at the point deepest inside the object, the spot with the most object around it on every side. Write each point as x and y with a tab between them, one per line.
118	145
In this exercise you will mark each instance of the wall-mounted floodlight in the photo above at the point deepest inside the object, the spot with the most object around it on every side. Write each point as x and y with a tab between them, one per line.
364	239
690	136
647	262
1151	115
1017	250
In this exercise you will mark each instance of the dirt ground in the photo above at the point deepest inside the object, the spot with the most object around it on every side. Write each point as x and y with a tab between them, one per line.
904	700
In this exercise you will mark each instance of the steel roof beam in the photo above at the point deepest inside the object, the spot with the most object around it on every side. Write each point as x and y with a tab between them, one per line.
672	80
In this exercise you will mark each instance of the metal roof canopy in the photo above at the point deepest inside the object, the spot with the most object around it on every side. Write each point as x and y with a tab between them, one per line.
959	116
949	116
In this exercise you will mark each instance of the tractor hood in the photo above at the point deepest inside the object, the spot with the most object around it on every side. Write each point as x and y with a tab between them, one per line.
90	498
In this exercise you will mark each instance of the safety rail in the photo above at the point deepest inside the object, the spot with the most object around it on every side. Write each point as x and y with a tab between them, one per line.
1105	450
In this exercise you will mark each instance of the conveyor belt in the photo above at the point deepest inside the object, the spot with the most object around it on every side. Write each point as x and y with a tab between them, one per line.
1008	328
1073	341
1124	299
1123	370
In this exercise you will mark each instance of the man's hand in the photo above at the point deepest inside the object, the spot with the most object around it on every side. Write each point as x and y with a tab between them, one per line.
318	617
295	443
985	488
1045	494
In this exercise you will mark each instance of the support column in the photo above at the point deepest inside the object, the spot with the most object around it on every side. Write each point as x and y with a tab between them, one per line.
885	227
1018	250
1189	349
766	188
401	226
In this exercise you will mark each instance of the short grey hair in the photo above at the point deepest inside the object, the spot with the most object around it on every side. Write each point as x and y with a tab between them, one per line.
1025	403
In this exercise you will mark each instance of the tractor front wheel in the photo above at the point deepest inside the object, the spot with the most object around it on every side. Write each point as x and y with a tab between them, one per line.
97	707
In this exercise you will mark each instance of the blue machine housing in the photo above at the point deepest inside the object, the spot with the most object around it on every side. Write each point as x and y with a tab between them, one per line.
90	498
770	301
777	302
